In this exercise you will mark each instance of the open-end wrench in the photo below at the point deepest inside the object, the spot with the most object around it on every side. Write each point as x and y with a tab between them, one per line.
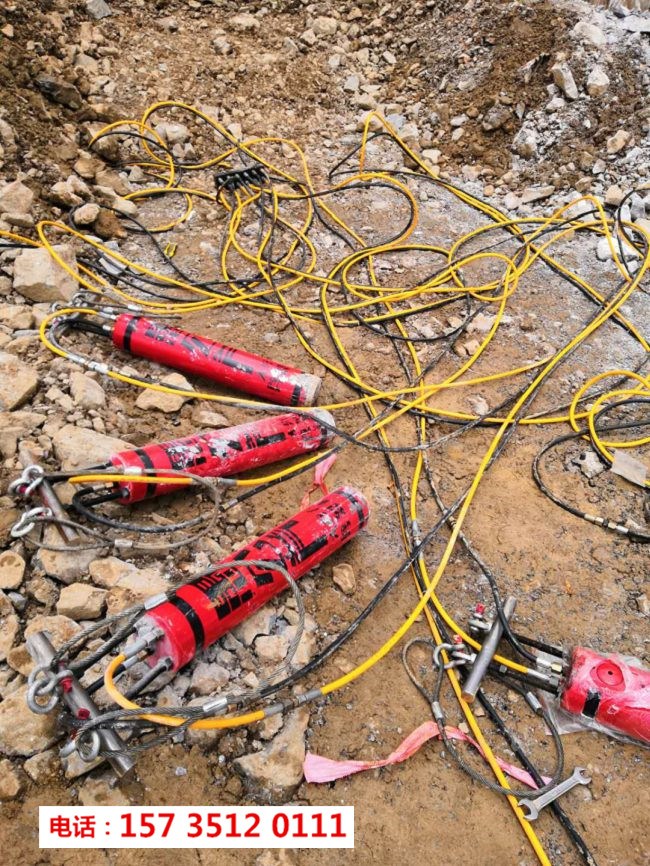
532	807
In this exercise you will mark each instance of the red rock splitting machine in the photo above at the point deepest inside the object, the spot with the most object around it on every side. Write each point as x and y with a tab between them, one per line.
212	454
169	630
608	693
200	356
221	453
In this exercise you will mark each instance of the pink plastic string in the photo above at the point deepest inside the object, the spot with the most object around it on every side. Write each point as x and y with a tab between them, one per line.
318	769
320	472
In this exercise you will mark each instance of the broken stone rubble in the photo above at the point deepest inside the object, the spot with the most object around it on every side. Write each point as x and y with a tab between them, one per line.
274	773
38	277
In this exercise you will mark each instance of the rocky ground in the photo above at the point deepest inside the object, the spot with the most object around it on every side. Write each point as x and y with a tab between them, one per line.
528	105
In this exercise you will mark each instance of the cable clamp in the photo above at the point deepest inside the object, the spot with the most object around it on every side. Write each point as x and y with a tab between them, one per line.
311	695
122	543
108	313
224	482
79	299
78	359
215	706
438	713
155	600
533	702
132	470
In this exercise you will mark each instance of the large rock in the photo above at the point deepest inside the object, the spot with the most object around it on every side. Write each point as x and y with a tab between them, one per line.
12	569
23	732
597	82
9	626
325	26
15	426
526	142
274	773
344	577
77	447
590	33
11	781
260	623
18	381
16	198
65	565
60	628
134	587
86	214
271	648
108	572
496	117
536	193
161	401
111	572
44	768
40	278
244	22
19	660
86	392
208	678
617	142
173	133
81	601
563	78
59	91
98	9
100	792
16	316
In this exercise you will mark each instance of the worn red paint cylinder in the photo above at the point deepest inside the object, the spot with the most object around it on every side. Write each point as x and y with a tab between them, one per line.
221	453
210	605
607	691
200	356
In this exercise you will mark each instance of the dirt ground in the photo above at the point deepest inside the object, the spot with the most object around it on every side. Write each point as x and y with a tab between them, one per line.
575	583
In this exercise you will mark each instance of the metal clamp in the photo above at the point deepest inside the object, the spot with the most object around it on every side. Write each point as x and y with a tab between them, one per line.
26	484
81	705
439	649
28	520
43	681
458	652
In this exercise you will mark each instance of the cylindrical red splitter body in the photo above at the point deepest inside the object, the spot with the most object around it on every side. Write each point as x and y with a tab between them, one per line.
221	453
607	691
200	356
209	606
